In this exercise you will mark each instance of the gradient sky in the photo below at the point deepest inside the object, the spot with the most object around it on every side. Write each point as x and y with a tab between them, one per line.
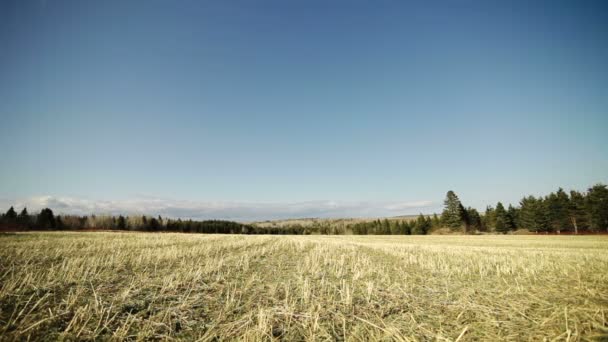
299	101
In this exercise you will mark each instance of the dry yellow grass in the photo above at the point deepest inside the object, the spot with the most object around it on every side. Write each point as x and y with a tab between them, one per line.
210	287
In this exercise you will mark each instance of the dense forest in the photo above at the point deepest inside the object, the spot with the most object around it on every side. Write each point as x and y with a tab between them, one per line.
559	212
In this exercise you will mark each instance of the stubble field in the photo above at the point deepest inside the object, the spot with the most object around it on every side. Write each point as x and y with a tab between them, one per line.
104	285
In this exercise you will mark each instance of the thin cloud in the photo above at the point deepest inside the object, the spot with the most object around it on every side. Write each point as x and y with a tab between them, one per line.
240	211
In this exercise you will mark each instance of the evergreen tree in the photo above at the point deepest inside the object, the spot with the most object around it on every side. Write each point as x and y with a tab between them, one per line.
557	210
422	226
153	225
489	219
597	207
464	216
385	228
452	213
396	228
10	214
474	218
526	212
533	214
46	220
512	217
59	223
121	223
436	223
23	218
501	225
577	212
407	227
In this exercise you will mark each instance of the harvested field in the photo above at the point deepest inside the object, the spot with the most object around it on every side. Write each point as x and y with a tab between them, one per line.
104	285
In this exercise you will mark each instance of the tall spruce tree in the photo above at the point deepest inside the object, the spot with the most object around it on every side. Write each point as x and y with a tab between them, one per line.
46	219
11	214
474	218
577	212
466	220
501	225
435	223
422	226
512	217
121	223
489	219
452	213
526	212
23	218
597	207
557	211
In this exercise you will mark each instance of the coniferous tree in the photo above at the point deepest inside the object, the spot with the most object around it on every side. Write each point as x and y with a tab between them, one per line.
23	218
526	212
121	223
436	223
10	214
396	228
466	220
46	220
407	227
474	218
489	219
385	228
422	226
59	223
597	207
501	225
577	211
557	210
153	225
452	213
533	215
512	217
428	224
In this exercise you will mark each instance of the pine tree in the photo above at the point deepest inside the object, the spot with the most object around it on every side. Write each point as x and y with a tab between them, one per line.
597	207
436	223
501	219
59	223
474	218
407	228
452	214
121	223
395	228
464	216
501	225
512	217
577	213
489	219
23	218
10	214
385	227
557	210
422	226
46	219
528	212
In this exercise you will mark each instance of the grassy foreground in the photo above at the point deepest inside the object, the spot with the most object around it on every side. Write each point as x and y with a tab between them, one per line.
212	287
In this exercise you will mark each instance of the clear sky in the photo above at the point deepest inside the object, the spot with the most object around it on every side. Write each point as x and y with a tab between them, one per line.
249	102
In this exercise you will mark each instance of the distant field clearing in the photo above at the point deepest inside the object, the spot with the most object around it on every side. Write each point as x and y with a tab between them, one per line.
222	287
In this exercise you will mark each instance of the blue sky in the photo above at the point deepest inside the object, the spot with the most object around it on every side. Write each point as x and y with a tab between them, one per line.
386	103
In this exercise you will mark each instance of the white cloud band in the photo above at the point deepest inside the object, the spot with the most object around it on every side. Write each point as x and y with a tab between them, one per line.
239	211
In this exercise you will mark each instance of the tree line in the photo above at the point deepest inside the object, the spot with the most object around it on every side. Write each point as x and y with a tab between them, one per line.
46	220
559	212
